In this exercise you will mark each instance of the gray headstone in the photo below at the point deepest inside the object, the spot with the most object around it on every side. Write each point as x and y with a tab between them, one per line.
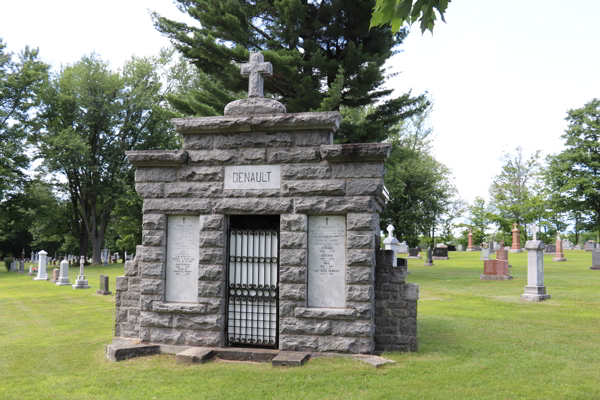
103	286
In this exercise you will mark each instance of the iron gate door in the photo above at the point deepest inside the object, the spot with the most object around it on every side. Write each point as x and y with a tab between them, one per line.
253	289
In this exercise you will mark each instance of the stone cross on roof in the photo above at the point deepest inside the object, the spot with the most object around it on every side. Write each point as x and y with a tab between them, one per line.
255	71
390	230
534	230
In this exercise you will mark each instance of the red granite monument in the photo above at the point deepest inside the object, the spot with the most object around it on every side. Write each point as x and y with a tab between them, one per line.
559	255
470	247
497	270
516	240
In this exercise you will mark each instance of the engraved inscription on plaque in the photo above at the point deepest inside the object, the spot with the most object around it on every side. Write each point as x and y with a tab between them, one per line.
253	177
183	243
326	261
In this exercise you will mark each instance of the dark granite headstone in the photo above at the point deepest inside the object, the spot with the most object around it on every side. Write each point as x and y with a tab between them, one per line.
550	248
414	252
103	286
440	253
451	247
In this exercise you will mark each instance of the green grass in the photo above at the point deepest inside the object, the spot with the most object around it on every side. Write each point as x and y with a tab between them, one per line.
478	341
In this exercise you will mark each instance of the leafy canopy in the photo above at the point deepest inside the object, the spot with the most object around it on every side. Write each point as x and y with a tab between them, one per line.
397	12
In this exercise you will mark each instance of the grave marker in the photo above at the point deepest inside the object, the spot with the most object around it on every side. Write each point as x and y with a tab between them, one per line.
470	243
559	253
41	275
183	236
63	278
81	282
535	289
595	259
103	286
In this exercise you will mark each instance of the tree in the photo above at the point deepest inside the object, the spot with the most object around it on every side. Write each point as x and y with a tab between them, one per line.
573	175
511	192
309	44
91	116
479	218
419	186
397	12
20	82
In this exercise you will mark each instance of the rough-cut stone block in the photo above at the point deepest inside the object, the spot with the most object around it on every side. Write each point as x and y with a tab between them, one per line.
286	308
199	322
409	291
292	257
153	254
198	142
153	320
204	338
294	155
364	187
193	189
292	240
152	286
298	343
154	222
359	258
152	269
121	283
356	152
292	292
254	106
292	274
384	259
353	329
167	336
312	138
363	222
357	170
326	313
359	275
360	240
177	206
143	174
212	222
252	156
306	171
131	268
363	310
259	123
324	205
212	239
191	173
211	289
292	326
244	193
314	188
212	307
294	222
154	238
213	157
211	272
212	256
150	189
359	293
156	158
338	344
254	139
253	206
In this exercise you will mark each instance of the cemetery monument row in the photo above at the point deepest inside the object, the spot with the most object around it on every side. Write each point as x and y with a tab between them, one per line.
261	232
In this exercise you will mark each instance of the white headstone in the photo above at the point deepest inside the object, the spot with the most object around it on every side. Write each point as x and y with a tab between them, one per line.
326	261
63	279
41	275
534	231
183	254
391	243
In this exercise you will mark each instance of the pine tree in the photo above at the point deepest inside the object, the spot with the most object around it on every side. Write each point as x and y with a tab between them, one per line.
308	43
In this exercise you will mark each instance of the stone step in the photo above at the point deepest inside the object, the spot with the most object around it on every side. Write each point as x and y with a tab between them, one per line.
374	361
120	352
290	359
195	355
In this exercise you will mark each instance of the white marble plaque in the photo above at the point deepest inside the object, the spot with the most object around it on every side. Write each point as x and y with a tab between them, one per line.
183	243
253	177
326	261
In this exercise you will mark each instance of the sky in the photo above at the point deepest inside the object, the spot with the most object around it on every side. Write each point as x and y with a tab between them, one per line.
501	74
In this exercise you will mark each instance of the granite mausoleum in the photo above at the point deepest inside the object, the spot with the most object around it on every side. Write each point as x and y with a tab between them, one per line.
262	233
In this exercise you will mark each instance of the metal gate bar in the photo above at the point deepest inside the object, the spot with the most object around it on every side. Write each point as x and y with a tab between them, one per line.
253	292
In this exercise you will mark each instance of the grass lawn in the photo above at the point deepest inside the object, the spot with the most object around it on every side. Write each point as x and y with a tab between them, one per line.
478	341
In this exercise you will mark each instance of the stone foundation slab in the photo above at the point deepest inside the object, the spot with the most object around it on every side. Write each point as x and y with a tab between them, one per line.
495	277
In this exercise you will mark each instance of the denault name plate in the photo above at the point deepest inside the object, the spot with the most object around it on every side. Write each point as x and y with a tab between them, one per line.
253	177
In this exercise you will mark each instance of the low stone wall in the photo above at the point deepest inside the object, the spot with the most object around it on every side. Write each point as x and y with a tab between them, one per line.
395	307
127	299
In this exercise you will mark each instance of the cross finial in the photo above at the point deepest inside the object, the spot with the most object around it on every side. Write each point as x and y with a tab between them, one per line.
534	230
390	230
255	70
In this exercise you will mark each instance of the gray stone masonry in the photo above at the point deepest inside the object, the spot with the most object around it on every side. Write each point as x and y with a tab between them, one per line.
313	177
395	307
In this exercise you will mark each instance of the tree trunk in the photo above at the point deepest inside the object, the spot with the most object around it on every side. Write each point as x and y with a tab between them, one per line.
97	248
84	240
